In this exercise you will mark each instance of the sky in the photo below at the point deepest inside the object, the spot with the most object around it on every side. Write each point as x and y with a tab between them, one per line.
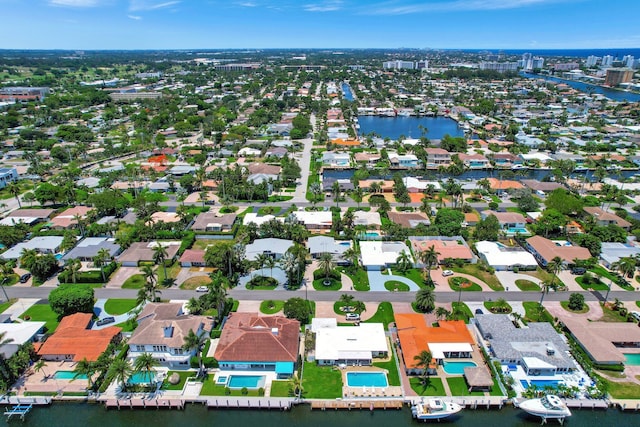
214	24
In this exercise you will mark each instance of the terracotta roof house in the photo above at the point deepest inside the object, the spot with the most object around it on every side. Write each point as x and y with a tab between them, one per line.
503	184
544	250
161	330
67	219
448	247
263	168
143	251
193	258
251	342
605	218
74	340
210	221
450	339
510	222
409	219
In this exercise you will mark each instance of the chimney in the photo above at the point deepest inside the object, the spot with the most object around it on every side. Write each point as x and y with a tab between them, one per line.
274	331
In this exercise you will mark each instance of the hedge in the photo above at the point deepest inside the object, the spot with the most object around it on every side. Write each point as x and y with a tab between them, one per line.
94	276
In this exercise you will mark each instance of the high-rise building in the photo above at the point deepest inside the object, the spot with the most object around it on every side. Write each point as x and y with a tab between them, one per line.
567	66
615	76
607	61
501	67
628	61
398	65
592	61
422	65
537	62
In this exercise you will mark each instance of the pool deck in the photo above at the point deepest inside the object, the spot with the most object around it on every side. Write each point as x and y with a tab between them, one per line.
367	392
44	382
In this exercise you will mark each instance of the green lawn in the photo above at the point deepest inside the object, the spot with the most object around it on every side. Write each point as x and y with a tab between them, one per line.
117	306
527	285
433	387
465	310
458	387
534	314
484	276
609	315
359	278
598	285
565	305
392	369
12	279
172	271
281	389
623	390
6	304
262	283
383	315
495	390
271	306
395	286
319	285
461	283
134	282
413	274
321	382
42	313
166	385
194	281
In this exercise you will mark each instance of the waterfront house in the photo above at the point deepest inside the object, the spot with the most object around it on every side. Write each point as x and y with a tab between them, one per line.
409	219
17	334
437	157
509	221
474	161
331	158
403	160
349	345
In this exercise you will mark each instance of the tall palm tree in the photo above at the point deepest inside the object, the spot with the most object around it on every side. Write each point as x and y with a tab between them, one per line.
429	258
261	260
73	266
423	360
295	383
80	223
39	366
192	342
101	259
554	267
626	266
326	264
14	189
357	195
145	364
403	262
335	192
121	370
442	313
425	300
160	255
148	273
218	295
85	368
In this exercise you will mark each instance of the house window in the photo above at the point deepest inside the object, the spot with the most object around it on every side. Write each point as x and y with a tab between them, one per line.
140	348
159	348
177	351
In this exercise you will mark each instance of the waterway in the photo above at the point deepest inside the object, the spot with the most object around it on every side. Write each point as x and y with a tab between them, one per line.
613	94
393	127
346	91
91	415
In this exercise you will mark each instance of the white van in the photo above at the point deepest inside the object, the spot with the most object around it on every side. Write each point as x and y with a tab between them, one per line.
352	316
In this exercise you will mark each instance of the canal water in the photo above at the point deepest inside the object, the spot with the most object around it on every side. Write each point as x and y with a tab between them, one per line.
616	95
393	127
346	91
92	415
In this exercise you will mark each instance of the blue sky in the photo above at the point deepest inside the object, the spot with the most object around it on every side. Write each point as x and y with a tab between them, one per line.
193	24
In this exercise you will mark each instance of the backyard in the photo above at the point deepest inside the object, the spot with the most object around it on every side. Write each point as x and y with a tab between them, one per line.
321	382
432	387
42	313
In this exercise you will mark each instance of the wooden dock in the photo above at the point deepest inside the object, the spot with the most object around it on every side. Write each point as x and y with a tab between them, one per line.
21	400
247	402
323	405
145	403
626	404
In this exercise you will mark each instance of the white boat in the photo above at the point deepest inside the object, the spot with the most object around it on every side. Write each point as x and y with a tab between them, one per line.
549	406
434	409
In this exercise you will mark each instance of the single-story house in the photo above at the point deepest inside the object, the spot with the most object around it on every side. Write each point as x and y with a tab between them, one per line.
605	218
315	220
543	186
251	342
604	342
447	247
271	246
17	334
74	340
258	220
193	258
544	250
161	330
503	258
611	252
143	251
509	221
350	345
336	159
27	216
89	247
42	244
368	219
164	217
345	184
409	219
210	221
67	218
378	255
318	245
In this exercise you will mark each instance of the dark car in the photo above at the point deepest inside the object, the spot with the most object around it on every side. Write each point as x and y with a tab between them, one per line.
578	270
25	278
106	321
479	311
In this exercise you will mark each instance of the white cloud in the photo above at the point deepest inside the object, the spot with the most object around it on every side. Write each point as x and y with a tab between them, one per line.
134	17
327	6
77	3
136	5
401	8
248	4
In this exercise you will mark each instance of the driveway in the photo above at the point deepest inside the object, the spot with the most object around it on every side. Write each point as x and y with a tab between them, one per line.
570	281
324	309
277	273
98	310
300	193
120	276
187	272
20	306
508	280
377	281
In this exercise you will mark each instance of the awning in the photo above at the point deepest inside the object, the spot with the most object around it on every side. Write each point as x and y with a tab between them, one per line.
439	349
535	363
284	367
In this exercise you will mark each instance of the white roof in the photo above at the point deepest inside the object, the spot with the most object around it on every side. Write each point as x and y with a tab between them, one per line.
381	253
18	333
438	349
13	220
343	342
40	243
323	322
314	218
496	255
257	220
366	218
270	245
535	363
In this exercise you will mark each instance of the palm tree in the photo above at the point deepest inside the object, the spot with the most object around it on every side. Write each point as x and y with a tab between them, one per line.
425	300
269	263
28	256
423	360
357	196
346	300
261	260
160	254
218	295
359	307
85	368
73	266
429	258
39	366
149	274
121	370
295	383
14	189
554	267
335	191
194	342
100	260
326	264
442	313
403	262
626	266
80	223
145	364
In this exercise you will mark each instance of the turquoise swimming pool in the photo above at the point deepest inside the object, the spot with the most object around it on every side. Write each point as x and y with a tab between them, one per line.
248	381
457	368
142	378
68	375
367	379
632	359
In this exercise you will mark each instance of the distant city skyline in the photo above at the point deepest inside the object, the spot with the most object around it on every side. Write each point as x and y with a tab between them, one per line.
204	24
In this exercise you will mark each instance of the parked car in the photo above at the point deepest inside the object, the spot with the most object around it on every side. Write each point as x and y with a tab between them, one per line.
479	311
25	278
352	316
106	321
202	289
446	273
578	270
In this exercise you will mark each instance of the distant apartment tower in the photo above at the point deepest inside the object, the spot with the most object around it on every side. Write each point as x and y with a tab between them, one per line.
155	75
399	65
607	61
356	67
615	76
567	66
501	67
628	61
592	61
422	65
237	67
134	96
20	93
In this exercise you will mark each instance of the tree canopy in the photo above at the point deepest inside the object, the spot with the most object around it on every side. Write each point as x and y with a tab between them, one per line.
68	299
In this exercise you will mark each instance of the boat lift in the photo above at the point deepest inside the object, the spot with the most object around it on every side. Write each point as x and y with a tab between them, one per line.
20	410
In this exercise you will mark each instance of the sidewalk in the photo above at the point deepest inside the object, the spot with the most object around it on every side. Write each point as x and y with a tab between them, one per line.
19	307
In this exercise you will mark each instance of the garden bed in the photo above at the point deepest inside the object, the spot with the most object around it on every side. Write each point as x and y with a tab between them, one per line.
262	283
271	306
395	286
463	284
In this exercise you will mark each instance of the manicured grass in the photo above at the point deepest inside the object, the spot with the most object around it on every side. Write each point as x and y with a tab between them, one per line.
383	315
166	385
565	305
42	313
413	274
433	386
281	389
202	244
484	276
464	284
494	305
12	279
395	286
598	285
6	305
321	382
262	283
638	303
527	285
464	308
392	370
358	276
458	387
117	306
193	282
172	271
319	285
495	390
609	315
134	282
534	314
271	306
623	390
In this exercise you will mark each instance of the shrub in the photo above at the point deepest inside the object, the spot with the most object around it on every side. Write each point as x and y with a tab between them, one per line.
319	274
227	391
576	301
244	391
261	391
